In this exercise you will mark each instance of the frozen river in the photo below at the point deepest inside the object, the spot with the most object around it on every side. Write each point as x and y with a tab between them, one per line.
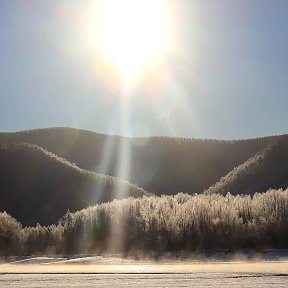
113	272
145	280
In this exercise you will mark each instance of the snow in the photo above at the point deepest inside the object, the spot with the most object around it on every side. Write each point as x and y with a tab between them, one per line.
215	280
269	269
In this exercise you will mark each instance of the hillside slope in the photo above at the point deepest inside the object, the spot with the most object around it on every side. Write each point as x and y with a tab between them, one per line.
268	169
161	165
38	186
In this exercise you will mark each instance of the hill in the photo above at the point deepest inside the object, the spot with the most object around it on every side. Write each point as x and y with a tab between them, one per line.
162	165
267	169
38	186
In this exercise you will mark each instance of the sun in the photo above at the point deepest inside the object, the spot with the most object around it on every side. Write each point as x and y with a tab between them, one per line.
133	34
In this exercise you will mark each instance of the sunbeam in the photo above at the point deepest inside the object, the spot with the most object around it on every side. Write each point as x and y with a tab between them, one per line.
123	172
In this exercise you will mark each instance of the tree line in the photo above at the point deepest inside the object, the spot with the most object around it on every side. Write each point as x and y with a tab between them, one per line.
159	224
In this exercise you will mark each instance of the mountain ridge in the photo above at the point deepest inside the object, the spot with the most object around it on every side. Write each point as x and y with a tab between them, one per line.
39	186
267	169
161	165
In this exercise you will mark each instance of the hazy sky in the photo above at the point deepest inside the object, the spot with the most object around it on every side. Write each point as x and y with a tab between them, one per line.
222	75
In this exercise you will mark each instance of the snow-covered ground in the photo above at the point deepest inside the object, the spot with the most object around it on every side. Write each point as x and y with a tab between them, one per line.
220	269
223	280
203	256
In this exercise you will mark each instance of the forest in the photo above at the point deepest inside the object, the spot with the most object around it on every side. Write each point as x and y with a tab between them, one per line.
179	223
61	193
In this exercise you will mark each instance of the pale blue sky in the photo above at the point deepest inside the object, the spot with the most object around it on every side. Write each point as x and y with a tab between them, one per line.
228	72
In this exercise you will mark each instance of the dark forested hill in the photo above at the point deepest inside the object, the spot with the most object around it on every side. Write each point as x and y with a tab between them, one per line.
38	186
161	165
267	169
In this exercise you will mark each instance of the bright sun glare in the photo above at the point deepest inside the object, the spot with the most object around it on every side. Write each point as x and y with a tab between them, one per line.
133	34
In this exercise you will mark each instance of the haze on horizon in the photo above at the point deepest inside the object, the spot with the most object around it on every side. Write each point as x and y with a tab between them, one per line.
220	70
